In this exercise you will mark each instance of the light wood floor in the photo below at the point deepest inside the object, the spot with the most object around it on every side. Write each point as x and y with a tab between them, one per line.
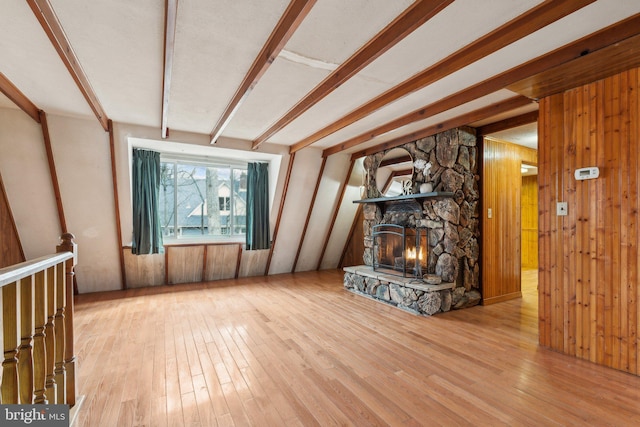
298	350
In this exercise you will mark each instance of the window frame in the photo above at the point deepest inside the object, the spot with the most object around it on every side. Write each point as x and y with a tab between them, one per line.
212	162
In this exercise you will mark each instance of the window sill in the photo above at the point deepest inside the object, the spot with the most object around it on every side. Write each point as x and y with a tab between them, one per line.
204	241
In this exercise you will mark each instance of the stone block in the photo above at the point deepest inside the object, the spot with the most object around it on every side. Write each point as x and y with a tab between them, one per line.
446	300
382	292
448	210
432	279
430	303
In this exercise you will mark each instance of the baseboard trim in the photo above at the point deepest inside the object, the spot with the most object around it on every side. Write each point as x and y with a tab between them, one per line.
502	298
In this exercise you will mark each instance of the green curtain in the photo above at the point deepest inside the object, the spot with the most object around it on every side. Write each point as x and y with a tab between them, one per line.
147	233
258	206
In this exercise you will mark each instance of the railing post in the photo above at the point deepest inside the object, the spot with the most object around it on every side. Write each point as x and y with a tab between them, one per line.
10	338
39	344
50	336
60	372
68	245
25	352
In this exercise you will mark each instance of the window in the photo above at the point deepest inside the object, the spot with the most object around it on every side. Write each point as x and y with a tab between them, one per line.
202	198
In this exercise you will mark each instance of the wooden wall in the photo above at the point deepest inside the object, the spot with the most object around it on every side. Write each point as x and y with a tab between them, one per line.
501	234
189	263
10	248
588	277
529	203
354	249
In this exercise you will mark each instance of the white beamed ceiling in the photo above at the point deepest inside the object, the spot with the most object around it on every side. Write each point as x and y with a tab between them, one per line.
119	44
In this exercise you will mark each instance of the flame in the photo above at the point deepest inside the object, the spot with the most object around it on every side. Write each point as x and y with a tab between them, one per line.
411	254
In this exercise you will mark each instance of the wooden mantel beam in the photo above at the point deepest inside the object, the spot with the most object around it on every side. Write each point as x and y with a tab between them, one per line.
288	24
18	98
411	19
170	17
43	11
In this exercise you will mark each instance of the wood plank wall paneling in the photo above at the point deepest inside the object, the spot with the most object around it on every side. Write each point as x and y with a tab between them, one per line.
184	263
354	249
188	263
253	263
221	261
529	204
501	241
144	270
10	247
589	259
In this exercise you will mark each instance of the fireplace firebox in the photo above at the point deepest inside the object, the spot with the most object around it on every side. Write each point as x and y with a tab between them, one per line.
400	250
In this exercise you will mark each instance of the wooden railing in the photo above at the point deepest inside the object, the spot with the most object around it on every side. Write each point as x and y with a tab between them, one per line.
37	329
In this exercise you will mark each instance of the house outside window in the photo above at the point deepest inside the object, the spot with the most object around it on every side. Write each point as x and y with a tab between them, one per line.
202	198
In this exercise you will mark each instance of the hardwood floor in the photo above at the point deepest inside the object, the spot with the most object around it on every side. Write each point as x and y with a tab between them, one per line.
299	350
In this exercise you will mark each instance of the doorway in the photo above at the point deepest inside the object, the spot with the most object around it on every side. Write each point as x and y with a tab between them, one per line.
529	228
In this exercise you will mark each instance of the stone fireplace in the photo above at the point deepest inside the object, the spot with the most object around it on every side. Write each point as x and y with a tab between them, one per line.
446	220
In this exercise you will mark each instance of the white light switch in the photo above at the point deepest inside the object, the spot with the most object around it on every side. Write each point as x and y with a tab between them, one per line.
489	213
561	208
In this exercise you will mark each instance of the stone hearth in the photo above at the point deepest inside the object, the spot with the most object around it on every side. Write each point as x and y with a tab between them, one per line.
408	294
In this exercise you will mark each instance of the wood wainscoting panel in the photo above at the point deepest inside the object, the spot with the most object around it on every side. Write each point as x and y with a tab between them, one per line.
589	259
221	261
253	263
184	263
354	248
143	270
501	222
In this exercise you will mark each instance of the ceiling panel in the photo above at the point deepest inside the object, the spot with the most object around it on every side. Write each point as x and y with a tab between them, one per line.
119	44
216	43
265	104
335	29
458	25
427	45
526	135
580	24
431	121
331	33
30	62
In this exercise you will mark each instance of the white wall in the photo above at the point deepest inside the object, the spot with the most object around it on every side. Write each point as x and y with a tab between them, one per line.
27	181
334	174
304	175
83	165
83	162
344	220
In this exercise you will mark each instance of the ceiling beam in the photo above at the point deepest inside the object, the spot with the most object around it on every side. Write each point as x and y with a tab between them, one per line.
51	25
510	123
606	62
462	120
18	98
288	24
170	18
525	24
585	46
411	19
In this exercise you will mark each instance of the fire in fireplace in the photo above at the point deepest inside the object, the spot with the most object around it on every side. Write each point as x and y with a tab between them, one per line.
400	250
